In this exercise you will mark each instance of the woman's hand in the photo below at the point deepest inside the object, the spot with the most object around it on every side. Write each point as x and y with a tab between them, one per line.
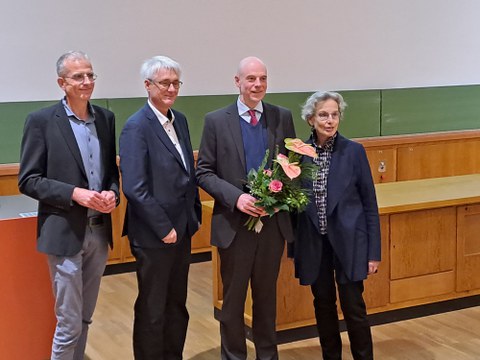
373	267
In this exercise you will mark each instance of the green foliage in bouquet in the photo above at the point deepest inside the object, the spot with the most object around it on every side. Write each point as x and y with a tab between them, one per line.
280	188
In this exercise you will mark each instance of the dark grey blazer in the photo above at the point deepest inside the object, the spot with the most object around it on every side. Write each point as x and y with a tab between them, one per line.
161	193
51	167
353	226
221	167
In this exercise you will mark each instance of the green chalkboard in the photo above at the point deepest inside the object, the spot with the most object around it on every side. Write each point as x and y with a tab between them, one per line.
123	108
362	117
406	111
369	113
12	121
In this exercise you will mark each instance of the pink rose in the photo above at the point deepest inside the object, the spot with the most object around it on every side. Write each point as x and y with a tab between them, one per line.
275	186
268	172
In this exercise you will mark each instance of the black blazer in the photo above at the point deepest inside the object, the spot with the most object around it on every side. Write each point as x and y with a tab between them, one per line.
161	193
353	226
51	167
221	167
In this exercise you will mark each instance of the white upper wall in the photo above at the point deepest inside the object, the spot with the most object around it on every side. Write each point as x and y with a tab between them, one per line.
307	44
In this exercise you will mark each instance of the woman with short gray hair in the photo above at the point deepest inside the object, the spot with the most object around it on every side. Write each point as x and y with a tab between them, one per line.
338	235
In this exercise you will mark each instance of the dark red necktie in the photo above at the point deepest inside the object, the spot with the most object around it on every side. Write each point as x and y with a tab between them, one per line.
253	117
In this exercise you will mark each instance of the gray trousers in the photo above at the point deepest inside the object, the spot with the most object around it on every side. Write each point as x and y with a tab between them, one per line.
76	283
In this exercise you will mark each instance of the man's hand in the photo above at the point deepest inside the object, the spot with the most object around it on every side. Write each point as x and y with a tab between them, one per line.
110	200
171	237
246	204
103	202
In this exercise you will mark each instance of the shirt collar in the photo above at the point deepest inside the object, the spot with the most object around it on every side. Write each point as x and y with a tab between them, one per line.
328	146
70	113
162	118
243	109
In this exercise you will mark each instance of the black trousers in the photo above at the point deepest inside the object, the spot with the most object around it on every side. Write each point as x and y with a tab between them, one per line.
353	308
161	316
256	258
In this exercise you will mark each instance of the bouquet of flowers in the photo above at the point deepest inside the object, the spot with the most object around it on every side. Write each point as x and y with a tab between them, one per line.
280	188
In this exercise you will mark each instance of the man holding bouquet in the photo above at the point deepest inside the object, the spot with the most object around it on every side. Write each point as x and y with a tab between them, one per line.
234	141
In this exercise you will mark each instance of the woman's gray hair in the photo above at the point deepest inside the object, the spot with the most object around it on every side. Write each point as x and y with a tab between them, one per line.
151	66
69	55
308	109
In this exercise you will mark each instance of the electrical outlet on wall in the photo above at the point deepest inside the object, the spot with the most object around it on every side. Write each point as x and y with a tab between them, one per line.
382	167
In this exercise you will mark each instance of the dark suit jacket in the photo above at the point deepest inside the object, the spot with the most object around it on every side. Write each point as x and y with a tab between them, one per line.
51	167
161	193
221	169
352	217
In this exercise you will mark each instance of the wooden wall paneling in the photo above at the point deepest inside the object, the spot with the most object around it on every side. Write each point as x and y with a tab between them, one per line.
294	301
201	240
9	179
383	164
115	255
450	158
422	242
468	247
127	255
9	185
377	289
422	287
248	310
217	279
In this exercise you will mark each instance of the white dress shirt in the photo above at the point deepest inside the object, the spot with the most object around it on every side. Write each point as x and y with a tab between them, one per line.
167	125
243	110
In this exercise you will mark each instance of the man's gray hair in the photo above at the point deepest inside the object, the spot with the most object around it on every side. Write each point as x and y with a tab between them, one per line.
69	55
151	66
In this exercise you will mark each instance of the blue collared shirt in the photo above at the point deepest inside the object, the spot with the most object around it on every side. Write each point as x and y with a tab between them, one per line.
87	140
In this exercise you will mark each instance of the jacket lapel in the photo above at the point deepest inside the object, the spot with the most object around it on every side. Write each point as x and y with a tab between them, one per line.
65	128
233	125
158	130
102	133
182	135
339	175
270	118
311	209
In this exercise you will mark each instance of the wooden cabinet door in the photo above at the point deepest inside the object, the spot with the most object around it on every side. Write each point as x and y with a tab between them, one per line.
468	247
422	254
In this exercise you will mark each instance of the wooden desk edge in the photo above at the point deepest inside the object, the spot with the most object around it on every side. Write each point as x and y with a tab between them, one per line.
392	209
9	169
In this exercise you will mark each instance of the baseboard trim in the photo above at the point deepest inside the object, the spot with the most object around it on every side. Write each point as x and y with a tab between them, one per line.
126	267
308	332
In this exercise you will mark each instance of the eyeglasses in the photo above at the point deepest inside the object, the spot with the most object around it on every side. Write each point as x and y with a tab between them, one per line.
324	116
80	78
165	85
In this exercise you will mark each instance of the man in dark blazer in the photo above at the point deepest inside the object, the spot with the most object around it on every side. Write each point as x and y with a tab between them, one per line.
68	163
234	141
163	211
